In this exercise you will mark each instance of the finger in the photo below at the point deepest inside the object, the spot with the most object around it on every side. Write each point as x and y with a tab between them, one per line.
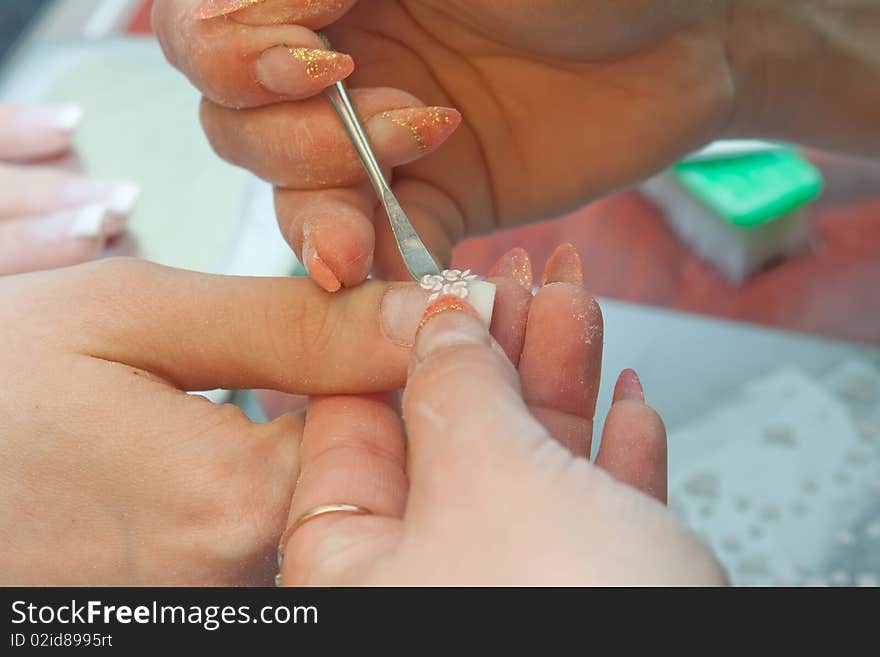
31	190
352	453
334	231
30	132
512	276
202	331
466	419
312	13
239	65
561	360
331	232
633	448
56	240
304	146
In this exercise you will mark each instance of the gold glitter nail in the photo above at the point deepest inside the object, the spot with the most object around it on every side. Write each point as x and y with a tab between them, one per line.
215	8
421	121
320	64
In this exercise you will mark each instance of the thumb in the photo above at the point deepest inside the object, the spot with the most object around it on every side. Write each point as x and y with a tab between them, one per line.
465	416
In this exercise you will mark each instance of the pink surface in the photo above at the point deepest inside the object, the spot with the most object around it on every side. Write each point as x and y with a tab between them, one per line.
629	254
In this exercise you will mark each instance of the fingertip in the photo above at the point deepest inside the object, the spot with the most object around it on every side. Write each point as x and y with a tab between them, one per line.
318	269
564	266
510	316
330	232
634	447
515	265
300	72
628	387
338	256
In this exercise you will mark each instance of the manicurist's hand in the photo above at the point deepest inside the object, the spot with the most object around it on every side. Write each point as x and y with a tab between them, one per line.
490	113
111	474
497	113
493	485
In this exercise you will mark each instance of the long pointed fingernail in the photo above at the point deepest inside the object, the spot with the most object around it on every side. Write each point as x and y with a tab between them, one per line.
296	72
564	266
118	196
91	221
515	264
317	268
412	132
628	387
61	118
214	8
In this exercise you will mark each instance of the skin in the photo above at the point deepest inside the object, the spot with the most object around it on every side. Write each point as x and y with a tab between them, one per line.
39	178
561	102
485	494
114	475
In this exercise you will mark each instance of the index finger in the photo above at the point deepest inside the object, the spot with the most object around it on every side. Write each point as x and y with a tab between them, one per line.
239	65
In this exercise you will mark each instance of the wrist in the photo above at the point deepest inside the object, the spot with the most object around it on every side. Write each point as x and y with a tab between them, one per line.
771	57
805	71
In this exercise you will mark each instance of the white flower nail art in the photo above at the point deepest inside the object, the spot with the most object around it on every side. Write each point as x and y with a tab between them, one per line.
448	281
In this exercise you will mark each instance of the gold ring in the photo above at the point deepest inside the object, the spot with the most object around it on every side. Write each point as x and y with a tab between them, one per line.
311	514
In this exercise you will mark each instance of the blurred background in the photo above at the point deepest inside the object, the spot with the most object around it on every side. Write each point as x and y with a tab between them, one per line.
762	357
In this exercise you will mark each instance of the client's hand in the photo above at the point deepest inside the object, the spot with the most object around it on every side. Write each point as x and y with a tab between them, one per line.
51	216
492	485
111	474
561	102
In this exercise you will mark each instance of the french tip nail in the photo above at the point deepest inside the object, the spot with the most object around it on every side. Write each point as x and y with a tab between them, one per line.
628	387
515	264
123	198
88	221
63	118
564	266
118	196
68	117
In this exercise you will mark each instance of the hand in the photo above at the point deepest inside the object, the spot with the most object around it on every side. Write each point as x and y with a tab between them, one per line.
111	474
561	102
50	216
494	486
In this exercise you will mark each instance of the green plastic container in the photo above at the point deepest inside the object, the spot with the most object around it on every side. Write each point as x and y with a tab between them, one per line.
751	190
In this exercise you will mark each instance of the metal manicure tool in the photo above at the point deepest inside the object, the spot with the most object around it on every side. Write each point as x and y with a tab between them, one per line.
415	256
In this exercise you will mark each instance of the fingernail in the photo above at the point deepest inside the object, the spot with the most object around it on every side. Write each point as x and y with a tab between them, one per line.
295	71
564	266
61	118
515	264
401	311
86	222
444	304
214	8
628	387
317	268
448	322
118	196
412	132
